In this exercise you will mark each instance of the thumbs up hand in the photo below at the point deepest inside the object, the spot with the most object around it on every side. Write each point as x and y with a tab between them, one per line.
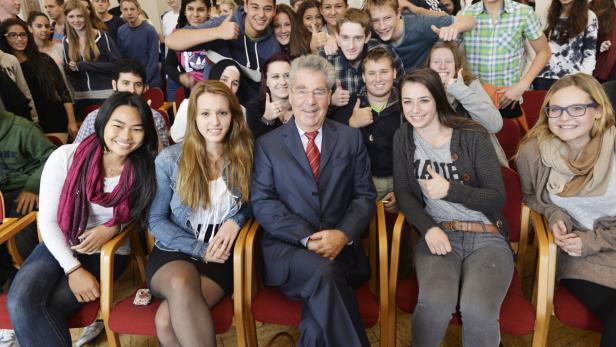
435	187
273	110
449	33
319	37
341	96
361	116
228	29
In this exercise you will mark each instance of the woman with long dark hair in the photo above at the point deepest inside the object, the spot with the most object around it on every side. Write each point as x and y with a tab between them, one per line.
572	33
568	174
51	96
200	206
187	67
448	183
287	24
271	108
88	192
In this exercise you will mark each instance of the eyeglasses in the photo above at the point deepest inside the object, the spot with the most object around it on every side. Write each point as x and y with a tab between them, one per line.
317	93
14	36
575	110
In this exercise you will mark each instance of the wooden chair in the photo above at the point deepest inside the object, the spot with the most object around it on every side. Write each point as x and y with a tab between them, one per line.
269	305
567	308
122	317
518	316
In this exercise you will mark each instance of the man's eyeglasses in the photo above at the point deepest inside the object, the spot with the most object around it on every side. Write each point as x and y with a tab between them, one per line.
14	36
317	93
575	110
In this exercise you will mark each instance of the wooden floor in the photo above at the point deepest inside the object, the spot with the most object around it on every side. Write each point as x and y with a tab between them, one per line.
559	335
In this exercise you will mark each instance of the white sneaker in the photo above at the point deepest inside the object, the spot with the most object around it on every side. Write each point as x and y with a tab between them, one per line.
7	338
90	333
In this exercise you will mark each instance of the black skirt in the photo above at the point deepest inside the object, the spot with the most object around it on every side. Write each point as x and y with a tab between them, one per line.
222	274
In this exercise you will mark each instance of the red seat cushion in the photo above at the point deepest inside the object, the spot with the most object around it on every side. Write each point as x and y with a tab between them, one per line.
517	315
270	305
573	312
84	317
126	318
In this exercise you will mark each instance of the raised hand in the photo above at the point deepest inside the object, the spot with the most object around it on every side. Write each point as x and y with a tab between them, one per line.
435	187
228	29
361	116
319	37
605	45
449	33
437	241
340	97
273	110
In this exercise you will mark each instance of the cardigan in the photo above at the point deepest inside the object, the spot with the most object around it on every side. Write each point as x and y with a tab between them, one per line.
598	261
482	188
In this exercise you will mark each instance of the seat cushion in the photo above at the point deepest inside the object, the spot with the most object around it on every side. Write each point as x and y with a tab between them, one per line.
84	317
270	305
517	315
126	318
571	311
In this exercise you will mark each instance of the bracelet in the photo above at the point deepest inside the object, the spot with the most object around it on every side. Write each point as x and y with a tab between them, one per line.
73	269
267	122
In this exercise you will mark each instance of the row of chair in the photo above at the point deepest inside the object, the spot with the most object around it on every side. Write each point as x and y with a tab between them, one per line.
378	299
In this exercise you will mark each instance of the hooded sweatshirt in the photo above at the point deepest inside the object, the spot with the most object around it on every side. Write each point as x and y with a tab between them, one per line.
23	152
250	53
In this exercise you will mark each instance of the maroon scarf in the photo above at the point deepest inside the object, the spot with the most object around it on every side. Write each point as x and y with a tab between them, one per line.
84	184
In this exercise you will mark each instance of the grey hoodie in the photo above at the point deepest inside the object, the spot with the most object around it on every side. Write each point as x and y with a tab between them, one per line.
10	65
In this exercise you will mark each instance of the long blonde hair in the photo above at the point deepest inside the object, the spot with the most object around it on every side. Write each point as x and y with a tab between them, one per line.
91	51
590	86
194	174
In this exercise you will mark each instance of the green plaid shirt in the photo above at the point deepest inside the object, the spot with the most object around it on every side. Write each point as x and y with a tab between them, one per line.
495	51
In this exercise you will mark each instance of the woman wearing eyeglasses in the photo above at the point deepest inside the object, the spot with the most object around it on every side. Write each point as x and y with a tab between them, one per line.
566	165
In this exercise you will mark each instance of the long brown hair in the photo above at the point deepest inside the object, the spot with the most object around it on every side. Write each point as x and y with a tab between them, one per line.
458	58
299	44
447	116
574	25
91	51
604	9
194	174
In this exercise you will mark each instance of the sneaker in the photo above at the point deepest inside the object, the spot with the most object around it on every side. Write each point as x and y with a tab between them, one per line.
90	333
7	338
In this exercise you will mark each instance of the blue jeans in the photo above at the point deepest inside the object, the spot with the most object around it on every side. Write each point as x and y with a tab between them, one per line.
476	274
40	301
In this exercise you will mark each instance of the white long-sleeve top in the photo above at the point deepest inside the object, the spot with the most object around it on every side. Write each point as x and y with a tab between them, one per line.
52	180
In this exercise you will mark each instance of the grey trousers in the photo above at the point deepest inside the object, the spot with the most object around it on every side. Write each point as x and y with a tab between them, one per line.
476	274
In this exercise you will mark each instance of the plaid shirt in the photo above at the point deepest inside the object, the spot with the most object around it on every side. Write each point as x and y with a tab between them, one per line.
349	76
495	51
87	127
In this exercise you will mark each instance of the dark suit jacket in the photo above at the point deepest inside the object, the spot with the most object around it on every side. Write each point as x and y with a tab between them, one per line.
291	205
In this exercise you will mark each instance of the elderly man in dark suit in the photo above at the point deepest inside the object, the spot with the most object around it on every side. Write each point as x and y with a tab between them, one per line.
312	193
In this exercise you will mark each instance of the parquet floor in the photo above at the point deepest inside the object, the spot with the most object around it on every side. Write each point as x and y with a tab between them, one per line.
559	335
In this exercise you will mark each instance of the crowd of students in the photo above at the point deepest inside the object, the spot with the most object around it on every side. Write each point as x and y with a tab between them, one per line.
303	116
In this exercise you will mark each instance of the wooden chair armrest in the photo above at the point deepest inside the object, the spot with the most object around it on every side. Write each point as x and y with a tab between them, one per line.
250	284
238	283
107	262
11	227
384	306
543	287
166	106
396	239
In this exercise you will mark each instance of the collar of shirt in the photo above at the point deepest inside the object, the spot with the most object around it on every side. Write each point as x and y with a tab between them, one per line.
481	8
317	140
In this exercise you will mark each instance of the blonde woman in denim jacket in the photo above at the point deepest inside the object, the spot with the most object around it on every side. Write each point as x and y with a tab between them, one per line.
199	208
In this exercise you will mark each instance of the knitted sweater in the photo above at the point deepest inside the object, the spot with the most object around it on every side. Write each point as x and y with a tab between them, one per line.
598	261
482	188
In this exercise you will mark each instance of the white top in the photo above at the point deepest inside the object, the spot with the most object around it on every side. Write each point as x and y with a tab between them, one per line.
221	202
52	180
169	22
586	210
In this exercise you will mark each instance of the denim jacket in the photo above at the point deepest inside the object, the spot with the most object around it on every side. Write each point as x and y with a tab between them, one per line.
168	219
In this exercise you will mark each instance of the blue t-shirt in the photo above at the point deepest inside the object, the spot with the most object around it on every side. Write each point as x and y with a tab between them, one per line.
141	43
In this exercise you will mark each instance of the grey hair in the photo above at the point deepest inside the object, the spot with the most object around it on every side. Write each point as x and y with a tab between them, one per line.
313	63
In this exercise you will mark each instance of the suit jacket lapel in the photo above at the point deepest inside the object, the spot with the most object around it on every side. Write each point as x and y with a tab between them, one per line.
294	144
328	144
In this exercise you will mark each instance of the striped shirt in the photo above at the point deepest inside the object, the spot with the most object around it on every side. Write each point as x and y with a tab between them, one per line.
495	50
